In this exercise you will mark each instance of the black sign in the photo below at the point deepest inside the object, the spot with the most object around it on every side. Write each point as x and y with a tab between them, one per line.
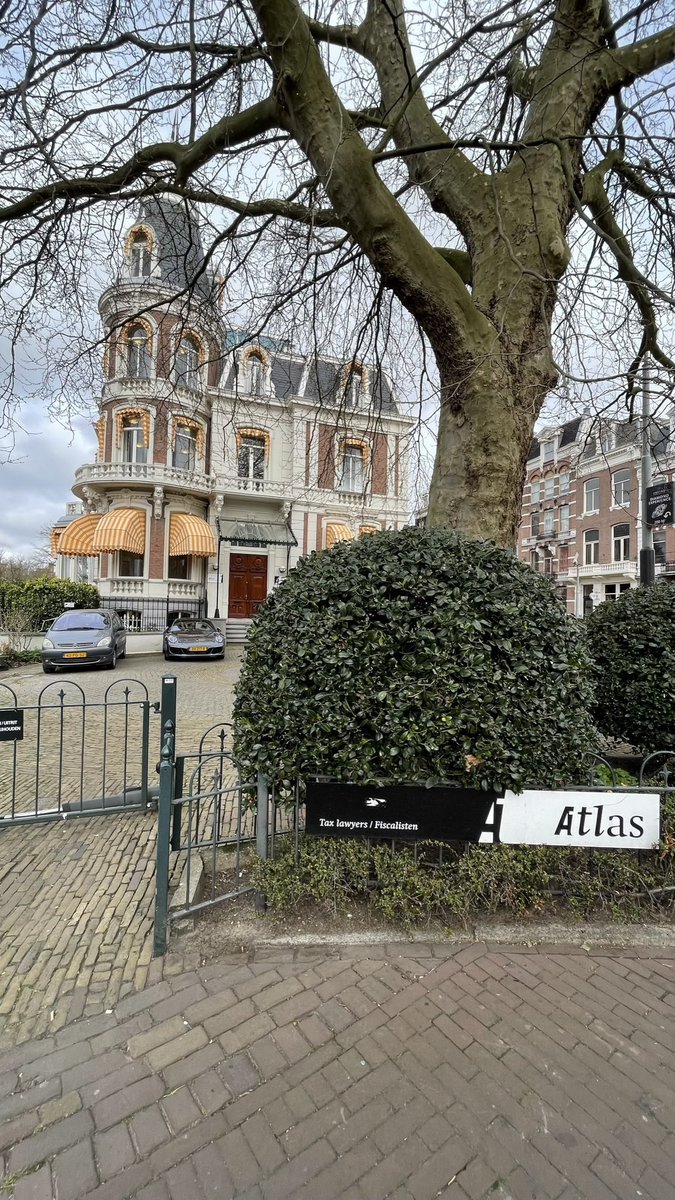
401	811
11	724
660	504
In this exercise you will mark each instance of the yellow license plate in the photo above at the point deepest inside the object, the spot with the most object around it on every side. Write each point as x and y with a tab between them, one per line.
198	649
76	654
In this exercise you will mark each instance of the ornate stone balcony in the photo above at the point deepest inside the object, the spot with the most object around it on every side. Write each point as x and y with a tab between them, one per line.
263	489
101	475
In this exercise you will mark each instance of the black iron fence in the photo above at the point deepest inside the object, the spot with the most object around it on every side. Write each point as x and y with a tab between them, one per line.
145	614
68	756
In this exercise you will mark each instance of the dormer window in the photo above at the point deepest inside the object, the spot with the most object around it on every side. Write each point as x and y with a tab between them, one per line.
138	353
187	363
255	375
140	256
548	451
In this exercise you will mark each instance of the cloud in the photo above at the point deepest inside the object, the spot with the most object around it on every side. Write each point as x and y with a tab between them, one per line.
35	485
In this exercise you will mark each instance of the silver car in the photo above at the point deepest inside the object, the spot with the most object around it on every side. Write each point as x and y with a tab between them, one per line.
193	637
84	637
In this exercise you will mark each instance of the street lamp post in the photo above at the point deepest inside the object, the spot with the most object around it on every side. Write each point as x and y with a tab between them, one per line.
647	567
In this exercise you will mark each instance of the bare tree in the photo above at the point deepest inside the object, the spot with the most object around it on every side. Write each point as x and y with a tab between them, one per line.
499	168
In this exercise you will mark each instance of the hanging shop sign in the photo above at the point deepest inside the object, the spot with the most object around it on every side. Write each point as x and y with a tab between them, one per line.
660	504
11	724
619	820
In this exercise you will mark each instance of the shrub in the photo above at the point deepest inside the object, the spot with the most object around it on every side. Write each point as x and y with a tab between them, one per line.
632	644
415	655
33	602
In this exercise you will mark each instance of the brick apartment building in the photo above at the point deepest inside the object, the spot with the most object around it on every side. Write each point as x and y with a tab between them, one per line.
581	510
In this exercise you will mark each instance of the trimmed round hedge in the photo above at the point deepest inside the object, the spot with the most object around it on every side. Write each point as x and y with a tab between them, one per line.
632	645
416	655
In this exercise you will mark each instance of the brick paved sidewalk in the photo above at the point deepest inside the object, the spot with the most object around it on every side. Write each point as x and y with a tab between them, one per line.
363	1074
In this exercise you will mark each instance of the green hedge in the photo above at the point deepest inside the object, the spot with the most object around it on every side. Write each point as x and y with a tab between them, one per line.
415	655
37	601
632	644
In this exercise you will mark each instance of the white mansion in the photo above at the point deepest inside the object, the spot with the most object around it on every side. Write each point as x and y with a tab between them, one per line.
221	458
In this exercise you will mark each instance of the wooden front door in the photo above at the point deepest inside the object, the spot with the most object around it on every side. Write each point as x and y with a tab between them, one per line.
248	584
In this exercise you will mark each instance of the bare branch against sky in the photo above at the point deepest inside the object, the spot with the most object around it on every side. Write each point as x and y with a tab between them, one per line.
486	188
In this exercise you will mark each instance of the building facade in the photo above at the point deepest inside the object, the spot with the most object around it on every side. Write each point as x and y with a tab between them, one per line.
581	515
222	458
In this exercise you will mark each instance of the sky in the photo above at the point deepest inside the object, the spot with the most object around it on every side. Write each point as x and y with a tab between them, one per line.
35	485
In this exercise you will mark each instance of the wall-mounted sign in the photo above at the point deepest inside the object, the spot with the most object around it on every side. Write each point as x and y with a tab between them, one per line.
533	818
11	724
660	504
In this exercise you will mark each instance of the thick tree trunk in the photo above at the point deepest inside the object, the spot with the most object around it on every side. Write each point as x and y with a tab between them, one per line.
487	415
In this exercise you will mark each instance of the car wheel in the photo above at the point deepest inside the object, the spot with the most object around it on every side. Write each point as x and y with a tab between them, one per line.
113	661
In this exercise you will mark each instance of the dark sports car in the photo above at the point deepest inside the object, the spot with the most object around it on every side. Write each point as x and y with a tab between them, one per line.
193	637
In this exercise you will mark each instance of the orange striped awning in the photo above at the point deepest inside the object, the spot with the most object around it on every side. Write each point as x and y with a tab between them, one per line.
337	532
121	529
191	535
78	537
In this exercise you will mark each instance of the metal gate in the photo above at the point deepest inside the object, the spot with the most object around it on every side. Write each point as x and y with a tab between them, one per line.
71	757
207	818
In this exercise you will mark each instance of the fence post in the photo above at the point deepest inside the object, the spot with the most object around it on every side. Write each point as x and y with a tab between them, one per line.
261	831
166	771
166	790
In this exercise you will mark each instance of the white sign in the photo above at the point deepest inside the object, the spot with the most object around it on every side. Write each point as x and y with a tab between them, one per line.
612	820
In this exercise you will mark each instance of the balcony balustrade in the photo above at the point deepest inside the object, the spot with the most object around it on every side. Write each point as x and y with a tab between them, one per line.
143	475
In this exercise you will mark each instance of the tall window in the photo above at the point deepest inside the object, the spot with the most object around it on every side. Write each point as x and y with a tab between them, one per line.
251	461
660	546
536	492
564	483
185	454
621	488
138	353
591	546
592	495
187	364
564	518
352	469
548	522
535	524
564	559
548	451
549	487
621	543
140	256
255	375
134	449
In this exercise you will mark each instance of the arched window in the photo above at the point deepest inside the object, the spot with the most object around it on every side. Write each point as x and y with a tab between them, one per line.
621	543
251	462
187	363
138	353
591	546
140	256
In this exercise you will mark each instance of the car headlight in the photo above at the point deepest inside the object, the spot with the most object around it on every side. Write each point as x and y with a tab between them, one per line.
47	645
172	639
219	637
104	641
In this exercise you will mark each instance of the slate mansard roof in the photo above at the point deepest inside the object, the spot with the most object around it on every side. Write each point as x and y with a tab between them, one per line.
182	266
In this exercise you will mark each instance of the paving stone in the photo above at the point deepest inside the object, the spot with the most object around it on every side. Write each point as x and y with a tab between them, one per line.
74	1172
148	1129
114	1151
180	1109
36	1186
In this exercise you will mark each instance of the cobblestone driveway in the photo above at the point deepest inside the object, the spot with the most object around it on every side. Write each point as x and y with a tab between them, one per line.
76	896
484	1073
